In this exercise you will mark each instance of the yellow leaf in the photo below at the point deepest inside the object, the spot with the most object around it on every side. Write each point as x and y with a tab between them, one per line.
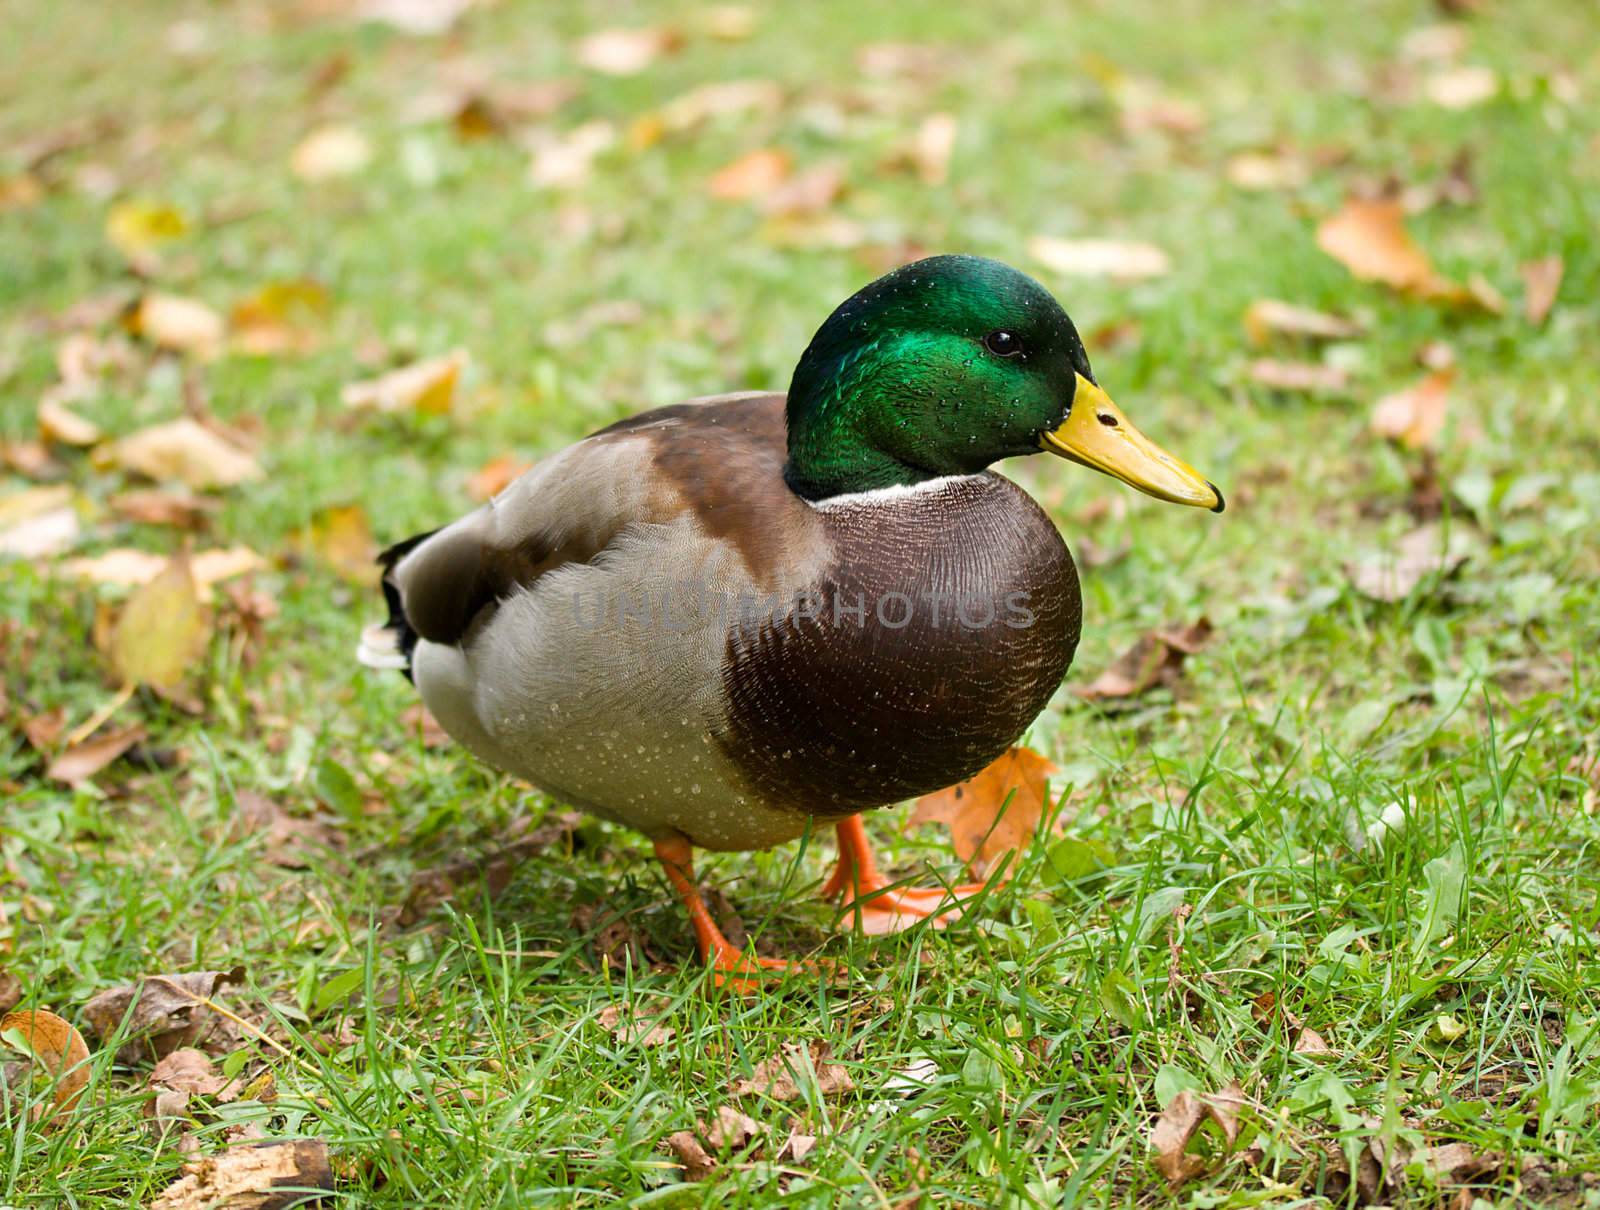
184	325
138	228
424	386
281	317
342	537
162	630
60	425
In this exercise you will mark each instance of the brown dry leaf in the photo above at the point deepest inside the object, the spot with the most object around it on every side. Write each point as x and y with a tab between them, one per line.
626	52
342	537
329	152
10	991
697	1164
281	317
428	387
60	425
38	522
1541	282
137	229
797	1146
58	1047
805	193
271	1176
733	1129
184	325
83	760
627	1025
186	451
151	506
1299	376
164	1013
980	833
420	723
288	841
1267	317
753	175
1394	574
1117	259
43	730
162	631
1415	416
1260	171
190	1071
128	566
781	1076
494	476
1155	659
30	459
1181	1120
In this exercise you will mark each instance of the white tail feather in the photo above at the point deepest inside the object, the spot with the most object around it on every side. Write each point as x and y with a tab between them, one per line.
380	648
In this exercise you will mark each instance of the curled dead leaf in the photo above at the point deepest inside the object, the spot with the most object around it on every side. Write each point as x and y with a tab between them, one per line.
1305	376
163	1013
186	451
687	1149
1155	659
183	325
1267	317
1369	238
1395	572
1415	416
1541	282
794	1068
752	176
57	1046
190	1071
995	812
1182	1119
84	759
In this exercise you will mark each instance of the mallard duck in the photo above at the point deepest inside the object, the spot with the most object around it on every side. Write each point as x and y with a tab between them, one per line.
727	620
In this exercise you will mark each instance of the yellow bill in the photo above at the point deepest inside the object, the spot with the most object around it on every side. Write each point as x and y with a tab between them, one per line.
1097	434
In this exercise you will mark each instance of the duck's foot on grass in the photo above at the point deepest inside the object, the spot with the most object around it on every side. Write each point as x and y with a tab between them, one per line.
877	906
730	966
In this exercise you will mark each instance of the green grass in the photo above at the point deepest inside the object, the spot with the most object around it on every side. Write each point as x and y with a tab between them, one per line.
456	1059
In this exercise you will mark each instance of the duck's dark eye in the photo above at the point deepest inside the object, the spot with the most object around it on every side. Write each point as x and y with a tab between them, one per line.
1003	343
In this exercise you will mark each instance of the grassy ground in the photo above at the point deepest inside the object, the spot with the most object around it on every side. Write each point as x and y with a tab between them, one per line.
457	1054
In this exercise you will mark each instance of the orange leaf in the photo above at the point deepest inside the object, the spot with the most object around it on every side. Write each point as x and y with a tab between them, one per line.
494	476
59	1047
1369	238
1415	416
1541	282
754	174
995	811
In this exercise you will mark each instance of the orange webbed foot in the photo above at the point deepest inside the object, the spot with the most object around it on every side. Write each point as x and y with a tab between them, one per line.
875	905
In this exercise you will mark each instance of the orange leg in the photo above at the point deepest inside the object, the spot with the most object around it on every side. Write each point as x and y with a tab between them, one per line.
730	966
878	906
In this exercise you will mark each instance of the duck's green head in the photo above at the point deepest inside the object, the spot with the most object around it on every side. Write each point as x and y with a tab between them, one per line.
947	365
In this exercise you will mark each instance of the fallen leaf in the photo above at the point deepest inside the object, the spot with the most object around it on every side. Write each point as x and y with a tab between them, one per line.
329	152
721	99
1156	659
995	812
290	842
342	537
1259	171
154	507
83	760
781	1077
60	425
566	161
1415	416
928	151
135	567
1181	1120
733	1129
753	175
183	325
625	52
805	193
1117	259
1394	573
728	22
56	1046
428	387
697	1164
10	991
493	872
883	60
281	317
627	1025
188	1070
43	730
1462	87
421	18
1267	317
38	522
162	631
1434	43
1541	282
19	191
137	229
1299	376
797	1146
1369	238
272	1176
421	724
163	1013
494	476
